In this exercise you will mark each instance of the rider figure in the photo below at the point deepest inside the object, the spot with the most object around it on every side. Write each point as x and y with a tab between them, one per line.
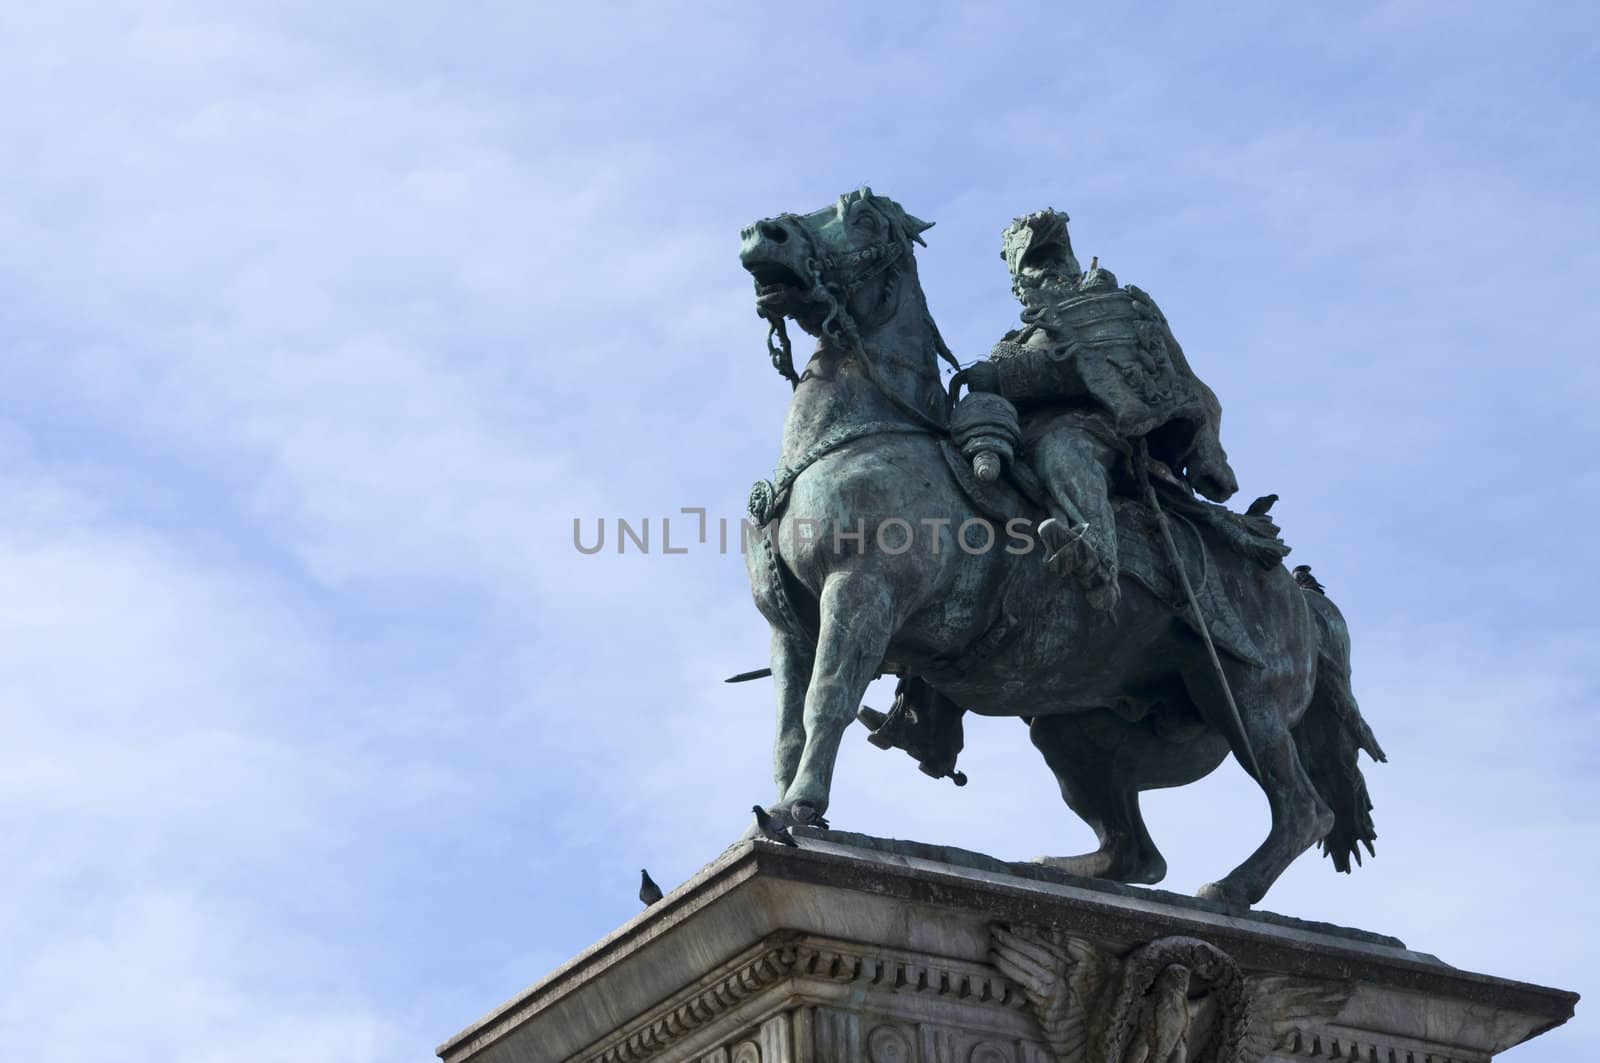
1094	370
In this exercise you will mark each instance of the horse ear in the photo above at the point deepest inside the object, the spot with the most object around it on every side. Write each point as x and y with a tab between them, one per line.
917	227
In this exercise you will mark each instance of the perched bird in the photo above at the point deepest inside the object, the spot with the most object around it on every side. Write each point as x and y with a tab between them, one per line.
649	892
1259	507
1308	582
771	830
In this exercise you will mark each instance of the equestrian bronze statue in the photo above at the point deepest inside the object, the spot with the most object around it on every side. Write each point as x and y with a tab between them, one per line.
1032	539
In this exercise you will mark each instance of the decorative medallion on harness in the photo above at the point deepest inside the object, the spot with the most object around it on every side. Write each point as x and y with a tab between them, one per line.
763	497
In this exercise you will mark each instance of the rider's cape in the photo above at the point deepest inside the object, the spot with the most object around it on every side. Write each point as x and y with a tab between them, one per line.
1111	347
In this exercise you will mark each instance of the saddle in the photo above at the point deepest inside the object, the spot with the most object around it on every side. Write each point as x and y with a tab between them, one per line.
1200	529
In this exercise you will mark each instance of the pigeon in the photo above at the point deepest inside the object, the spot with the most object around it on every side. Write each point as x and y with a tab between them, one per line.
1259	507
1308	582
649	892
771	830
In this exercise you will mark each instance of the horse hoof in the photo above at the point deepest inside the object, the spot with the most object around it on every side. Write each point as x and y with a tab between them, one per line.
806	815
1232	896
1134	871
1089	865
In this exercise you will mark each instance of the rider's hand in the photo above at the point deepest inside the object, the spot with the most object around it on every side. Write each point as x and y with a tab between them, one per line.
981	376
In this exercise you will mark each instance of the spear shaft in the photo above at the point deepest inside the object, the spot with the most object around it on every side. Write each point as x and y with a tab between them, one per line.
1234	724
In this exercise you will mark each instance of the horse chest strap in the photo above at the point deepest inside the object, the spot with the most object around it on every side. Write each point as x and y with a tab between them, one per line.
767	497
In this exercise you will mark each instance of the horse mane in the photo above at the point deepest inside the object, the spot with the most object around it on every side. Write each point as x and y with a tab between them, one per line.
905	229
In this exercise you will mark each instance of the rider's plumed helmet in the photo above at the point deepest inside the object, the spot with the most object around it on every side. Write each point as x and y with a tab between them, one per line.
1038	243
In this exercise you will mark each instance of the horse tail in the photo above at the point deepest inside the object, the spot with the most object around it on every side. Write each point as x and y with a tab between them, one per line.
1331	736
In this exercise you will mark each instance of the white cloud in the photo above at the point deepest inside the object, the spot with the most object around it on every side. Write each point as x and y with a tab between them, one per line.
157	975
150	790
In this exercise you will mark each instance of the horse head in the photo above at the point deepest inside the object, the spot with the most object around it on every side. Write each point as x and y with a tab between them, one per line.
845	273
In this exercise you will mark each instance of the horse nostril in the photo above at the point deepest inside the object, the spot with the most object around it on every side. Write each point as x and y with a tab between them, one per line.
773	231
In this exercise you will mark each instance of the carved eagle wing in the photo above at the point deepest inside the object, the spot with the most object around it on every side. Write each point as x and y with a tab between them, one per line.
1062	978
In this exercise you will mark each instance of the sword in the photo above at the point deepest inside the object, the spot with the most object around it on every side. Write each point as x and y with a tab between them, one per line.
1235	726
745	677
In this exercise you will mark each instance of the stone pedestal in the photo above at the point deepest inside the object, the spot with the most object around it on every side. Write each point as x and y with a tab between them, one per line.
856	949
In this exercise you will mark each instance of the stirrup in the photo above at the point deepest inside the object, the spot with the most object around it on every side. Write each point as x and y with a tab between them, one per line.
1071	537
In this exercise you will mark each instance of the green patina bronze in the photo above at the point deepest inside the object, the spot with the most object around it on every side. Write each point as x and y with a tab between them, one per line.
1038	548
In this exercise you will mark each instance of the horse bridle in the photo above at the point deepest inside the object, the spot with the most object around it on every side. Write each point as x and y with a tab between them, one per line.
857	267
875	258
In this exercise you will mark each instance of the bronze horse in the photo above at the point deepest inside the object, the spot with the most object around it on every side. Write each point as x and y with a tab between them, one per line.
858	570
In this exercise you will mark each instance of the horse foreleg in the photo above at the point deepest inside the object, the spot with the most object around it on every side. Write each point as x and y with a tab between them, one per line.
792	661
857	622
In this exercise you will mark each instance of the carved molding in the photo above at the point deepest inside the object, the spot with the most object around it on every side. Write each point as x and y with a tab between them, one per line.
991	1052
888	1043
1338	1045
807	958
1091	1004
680	1017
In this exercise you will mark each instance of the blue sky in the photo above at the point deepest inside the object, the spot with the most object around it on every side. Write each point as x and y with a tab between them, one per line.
321	328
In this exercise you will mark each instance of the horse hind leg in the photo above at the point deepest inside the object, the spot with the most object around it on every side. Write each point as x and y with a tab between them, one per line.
1101	762
1299	815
